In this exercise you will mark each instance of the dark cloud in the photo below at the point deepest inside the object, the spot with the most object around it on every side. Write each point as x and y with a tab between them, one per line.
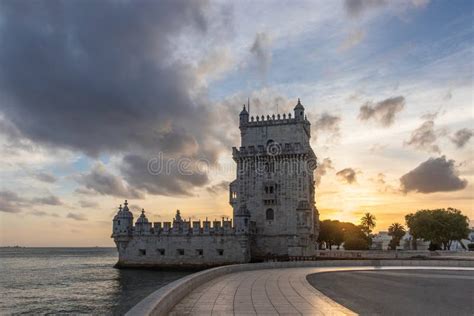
328	123
322	169
163	176
461	137
10	202
424	138
433	175
88	204
85	191
261	49
355	8
103	182
47	200
45	177
105	78
219	187
382	112
76	216
347	175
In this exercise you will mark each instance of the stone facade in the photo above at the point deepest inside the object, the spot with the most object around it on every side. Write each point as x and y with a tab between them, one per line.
273	201
275	182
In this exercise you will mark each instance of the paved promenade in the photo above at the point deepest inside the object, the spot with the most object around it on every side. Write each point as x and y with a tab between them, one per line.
278	291
260	292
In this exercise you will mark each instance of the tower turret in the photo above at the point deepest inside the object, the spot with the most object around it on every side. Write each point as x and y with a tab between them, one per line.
142	226
244	116
299	111
123	221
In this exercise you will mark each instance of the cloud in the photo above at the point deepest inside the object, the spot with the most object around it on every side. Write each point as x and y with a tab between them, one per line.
356	8
424	138
45	177
85	191
111	78
43	213
382	185
328	123
433	175
164	176
219	187
10	202
261	49
382	112
102	181
76	216
88	204
347	175
461	137
47	200
322	169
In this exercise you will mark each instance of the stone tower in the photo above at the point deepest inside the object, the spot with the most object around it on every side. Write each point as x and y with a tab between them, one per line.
275	184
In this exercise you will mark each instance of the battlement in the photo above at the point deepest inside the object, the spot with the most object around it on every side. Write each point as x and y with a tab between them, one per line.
184	227
273	120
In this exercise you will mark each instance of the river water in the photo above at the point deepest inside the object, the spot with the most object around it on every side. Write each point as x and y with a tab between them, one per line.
72	281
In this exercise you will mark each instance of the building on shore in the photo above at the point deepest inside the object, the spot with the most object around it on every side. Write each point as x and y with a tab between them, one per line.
273	201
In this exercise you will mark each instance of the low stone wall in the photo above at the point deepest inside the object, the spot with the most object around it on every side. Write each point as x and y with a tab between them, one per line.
392	254
164	299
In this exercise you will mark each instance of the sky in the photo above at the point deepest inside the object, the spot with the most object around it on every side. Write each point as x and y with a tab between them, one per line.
94	95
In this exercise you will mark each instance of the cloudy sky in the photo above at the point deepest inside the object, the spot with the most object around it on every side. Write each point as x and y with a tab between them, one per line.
91	92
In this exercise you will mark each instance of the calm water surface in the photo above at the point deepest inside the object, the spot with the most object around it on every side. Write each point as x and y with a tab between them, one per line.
72	281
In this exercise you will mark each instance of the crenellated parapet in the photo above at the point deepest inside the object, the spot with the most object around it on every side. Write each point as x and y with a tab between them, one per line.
178	227
274	119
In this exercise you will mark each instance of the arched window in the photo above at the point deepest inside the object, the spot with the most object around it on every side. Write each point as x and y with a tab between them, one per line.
270	215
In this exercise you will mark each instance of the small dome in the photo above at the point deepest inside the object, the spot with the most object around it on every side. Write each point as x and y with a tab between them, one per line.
299	106
142	218
124	212
244	111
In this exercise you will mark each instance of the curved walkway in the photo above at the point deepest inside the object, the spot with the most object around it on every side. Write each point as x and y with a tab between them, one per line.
266	292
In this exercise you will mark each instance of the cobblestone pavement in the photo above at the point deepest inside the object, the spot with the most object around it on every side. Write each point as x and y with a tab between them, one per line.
260	292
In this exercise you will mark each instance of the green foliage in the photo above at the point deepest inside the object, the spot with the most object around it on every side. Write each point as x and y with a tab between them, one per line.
367	223
356	243
397	231
334	233
330	232
440	226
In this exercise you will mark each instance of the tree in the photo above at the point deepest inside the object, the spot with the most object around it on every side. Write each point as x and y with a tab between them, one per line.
440	226
397	231
356	243
330	232
354	237
367	223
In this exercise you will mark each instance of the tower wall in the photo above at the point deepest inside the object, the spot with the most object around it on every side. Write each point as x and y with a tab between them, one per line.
275	181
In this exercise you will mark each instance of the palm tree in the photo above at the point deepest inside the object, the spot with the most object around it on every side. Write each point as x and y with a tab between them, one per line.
367	223
397	231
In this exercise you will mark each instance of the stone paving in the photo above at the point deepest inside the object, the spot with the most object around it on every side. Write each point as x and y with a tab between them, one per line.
260	292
